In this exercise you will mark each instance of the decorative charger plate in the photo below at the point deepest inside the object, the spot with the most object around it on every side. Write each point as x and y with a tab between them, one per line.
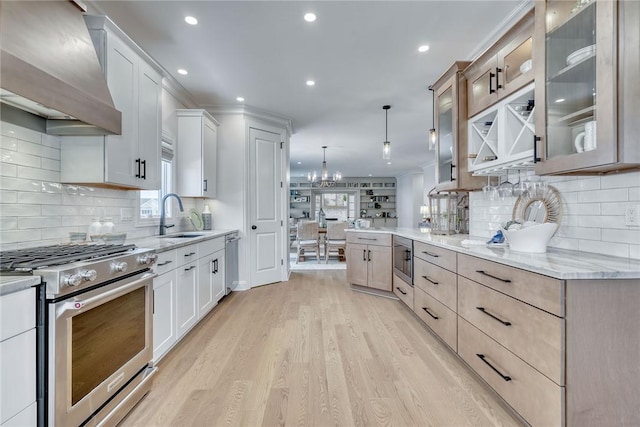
196	219
540	208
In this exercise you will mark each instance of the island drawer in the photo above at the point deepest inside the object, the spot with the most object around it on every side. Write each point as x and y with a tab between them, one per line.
435	255
442	320
532	334
538	399
540	291
364	238
187	254
436	281
167	261
403	291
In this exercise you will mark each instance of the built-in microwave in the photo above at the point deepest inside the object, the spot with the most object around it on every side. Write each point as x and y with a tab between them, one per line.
403	259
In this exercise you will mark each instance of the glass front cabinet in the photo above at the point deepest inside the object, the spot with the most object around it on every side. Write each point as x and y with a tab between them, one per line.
587	86
450	124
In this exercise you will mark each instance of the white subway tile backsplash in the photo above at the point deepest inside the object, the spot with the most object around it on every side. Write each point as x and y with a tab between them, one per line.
13	131
38	150
16	236
16	158
8	170
50	164
39	198
21	210
7	196
7	143
8	223
39	222
593	214
37	174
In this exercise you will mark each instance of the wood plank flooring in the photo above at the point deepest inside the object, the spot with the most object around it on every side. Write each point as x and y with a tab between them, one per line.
312	352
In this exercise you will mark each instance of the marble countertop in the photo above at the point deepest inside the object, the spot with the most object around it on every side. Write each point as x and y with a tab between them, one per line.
10	284
167	243
557	263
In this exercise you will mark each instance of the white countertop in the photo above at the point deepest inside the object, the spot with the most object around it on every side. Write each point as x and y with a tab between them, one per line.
557	263
166	243
10	284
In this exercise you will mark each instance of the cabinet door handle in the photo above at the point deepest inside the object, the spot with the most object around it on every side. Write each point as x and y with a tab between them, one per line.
206	185
491	89
493	277
190	268
484	310
430	254
401	291
164	263
451	168
498	71
190	254
483	358
215	266
426	309
368	255
144	169
364	254
138	168
429	280
536	139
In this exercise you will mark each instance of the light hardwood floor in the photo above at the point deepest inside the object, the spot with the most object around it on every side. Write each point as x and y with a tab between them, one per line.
312	352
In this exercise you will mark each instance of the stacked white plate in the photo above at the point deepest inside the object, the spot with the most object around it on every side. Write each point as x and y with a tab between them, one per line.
581	54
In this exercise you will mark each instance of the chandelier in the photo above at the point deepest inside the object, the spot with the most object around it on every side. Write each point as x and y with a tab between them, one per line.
324	177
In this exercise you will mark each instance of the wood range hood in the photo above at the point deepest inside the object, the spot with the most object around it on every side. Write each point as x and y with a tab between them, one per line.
49	67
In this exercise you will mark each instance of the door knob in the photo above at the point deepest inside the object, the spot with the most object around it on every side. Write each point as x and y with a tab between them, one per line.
253	227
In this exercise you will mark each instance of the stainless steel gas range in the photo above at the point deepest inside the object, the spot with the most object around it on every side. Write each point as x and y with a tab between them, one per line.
95	345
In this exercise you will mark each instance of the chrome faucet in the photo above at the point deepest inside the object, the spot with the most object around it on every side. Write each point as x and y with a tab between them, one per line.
163	227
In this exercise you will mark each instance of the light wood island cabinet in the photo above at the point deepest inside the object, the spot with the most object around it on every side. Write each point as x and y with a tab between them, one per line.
369	260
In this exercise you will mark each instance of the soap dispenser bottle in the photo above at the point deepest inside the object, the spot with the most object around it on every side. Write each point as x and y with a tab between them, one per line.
207	221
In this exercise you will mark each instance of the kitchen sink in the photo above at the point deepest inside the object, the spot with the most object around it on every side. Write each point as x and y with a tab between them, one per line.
181	236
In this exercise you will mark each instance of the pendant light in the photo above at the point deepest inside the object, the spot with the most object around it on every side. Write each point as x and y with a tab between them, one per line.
433	135
386	145
324	175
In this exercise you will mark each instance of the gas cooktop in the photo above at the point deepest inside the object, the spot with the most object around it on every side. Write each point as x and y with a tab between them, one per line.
27	260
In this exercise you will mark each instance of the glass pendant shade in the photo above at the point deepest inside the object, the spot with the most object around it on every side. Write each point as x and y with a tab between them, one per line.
386	150
386	145
433	136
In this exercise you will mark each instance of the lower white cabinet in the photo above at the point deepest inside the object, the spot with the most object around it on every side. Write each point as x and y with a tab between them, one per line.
186	298
18	356
164	313
189	284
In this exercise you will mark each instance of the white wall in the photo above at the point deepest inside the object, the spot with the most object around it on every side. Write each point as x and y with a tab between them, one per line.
409	198
593	214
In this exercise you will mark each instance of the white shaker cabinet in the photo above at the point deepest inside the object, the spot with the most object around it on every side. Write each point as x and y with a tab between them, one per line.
18	356
211	285
164	313
132	159
197	153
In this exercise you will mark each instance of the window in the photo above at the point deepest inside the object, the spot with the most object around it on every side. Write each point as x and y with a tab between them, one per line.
149	201
336	205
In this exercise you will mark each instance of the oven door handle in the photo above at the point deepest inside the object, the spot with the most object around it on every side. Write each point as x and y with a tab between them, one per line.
78	304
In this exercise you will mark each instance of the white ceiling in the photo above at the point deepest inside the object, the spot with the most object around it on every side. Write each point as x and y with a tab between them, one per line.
361	54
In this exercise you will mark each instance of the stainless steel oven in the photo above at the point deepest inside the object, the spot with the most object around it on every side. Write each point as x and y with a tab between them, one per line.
100	345
95	350
403	259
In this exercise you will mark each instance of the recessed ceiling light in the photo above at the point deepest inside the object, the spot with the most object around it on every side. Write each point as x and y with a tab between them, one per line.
240	99
311	83
388	163
423	48
310	17
369	174
559	100
299	163
190	20
182	71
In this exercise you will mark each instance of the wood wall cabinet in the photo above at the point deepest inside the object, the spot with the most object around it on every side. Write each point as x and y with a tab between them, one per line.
369	260
503	68
132	159
197	153
588	92
451	127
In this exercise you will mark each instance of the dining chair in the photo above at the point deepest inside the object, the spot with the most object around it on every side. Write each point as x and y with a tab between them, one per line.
335	239
308	237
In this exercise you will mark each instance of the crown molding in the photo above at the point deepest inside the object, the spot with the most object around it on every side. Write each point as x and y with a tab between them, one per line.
254	113
516	14
171	85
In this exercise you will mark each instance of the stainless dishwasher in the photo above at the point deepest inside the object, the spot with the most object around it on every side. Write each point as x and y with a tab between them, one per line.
231	262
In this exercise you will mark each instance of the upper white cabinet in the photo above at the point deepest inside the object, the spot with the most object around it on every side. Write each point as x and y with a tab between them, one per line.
197	153
132	159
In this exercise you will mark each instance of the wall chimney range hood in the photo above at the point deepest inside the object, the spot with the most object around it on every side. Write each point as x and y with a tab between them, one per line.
49	67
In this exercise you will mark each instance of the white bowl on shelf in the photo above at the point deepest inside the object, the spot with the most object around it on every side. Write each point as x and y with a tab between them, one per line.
533	239
581	54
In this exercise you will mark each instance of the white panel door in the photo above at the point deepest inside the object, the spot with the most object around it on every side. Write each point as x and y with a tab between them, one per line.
186	298
210	159
206	272
149	112
265	215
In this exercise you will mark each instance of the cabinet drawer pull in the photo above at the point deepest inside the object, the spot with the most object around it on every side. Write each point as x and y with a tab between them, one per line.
138	168
190	254
505	323
498	71
536	139
401	291
491	89
164	263
430	254
144	169
426	309
429	280
504	377
493	277
364	254
190	268
366	238
368	255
